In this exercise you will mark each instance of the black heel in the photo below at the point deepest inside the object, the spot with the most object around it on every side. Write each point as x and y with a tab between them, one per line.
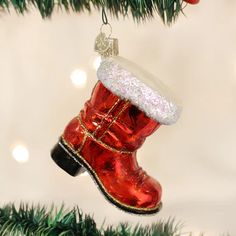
65	161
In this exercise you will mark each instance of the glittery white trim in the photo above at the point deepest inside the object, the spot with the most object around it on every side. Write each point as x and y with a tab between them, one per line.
127	86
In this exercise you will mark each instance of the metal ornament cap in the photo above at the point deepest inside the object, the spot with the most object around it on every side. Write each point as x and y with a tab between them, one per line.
105	45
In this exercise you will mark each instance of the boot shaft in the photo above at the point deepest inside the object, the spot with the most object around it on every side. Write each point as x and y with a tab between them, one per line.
122	110
115	121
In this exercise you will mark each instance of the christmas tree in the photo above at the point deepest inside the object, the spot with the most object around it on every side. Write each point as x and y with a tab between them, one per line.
139	9
32	221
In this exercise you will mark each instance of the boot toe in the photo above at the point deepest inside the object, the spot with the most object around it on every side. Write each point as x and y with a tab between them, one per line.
152	192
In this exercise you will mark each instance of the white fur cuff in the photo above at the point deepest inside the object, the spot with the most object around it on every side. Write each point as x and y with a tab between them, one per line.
126	85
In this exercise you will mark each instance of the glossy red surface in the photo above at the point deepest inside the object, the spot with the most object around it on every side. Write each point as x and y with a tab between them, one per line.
124	127
192	1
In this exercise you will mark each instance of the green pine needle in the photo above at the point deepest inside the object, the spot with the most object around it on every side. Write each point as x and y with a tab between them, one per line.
38	221
139	9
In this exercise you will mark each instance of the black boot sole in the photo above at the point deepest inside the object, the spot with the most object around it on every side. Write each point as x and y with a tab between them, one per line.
64	160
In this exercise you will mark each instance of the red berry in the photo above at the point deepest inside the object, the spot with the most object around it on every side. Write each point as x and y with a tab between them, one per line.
192	1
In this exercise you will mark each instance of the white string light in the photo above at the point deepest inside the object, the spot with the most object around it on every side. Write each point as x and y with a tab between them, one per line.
20	153
79	78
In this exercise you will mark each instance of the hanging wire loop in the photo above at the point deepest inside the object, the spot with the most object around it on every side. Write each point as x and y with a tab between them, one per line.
104	17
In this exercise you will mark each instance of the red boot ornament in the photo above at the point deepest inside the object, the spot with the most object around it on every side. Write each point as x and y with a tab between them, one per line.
104	137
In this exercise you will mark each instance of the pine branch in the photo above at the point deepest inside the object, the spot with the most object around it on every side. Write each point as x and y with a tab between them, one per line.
139	9
38	221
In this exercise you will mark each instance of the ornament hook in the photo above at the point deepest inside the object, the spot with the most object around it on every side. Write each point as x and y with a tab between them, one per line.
104	16
105	45
102	29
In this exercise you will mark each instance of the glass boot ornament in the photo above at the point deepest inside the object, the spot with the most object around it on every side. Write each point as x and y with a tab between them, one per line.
126	106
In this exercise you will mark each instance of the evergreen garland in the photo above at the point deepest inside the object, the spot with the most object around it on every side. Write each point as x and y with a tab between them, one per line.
139	9
38	221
